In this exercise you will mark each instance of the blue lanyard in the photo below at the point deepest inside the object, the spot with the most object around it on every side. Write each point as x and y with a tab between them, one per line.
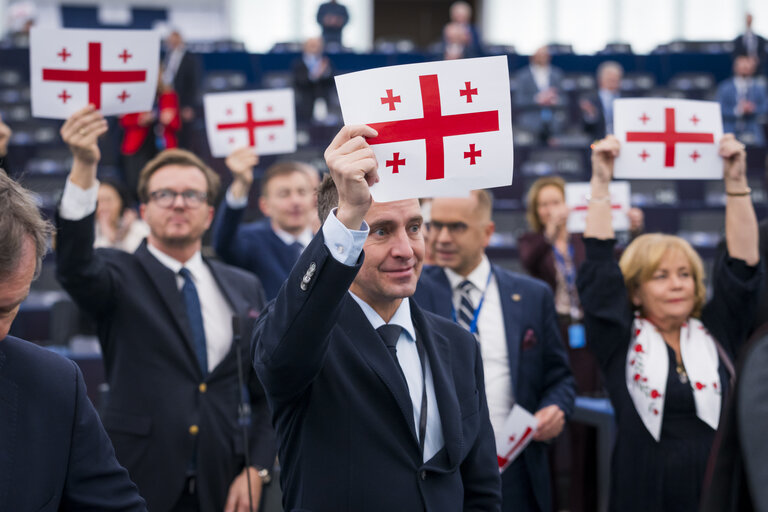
476	315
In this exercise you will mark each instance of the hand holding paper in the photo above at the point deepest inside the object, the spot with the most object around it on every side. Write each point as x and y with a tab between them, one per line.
81	133
353	166
551	421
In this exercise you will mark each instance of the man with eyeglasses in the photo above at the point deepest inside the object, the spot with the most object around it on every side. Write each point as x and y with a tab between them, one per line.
513	317
184	406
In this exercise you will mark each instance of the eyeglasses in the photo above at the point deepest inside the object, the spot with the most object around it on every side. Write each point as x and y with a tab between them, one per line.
454	228
165	198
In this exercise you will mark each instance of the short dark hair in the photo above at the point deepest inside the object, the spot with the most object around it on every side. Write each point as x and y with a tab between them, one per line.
327	197
178	157
284	168
20	218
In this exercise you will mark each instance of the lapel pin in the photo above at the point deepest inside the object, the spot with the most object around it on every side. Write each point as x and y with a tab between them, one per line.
516	297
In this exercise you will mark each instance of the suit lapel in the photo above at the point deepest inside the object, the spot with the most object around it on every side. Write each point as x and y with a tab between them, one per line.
438	350
513	323
370	346
9	397
164	282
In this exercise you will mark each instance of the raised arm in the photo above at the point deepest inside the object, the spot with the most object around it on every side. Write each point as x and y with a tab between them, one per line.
599	223
741	233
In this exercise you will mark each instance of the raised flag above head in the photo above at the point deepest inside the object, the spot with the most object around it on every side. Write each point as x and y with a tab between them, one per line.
444	128
115	70
263	120
576	197
668	139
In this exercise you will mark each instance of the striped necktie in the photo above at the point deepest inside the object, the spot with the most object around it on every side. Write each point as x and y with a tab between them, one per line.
466	312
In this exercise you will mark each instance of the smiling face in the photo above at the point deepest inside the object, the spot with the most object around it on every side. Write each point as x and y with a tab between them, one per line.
394	252
178	225
668	297
459	233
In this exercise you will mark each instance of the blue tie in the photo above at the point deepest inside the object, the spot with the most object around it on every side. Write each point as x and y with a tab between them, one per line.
195	317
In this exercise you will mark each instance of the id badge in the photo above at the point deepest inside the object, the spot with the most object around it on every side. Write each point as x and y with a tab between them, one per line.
576	336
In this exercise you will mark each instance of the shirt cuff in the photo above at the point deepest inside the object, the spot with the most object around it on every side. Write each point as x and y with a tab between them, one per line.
345	244
235	203
77	203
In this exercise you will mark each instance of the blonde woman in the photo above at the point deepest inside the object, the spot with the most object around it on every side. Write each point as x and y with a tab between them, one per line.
665	354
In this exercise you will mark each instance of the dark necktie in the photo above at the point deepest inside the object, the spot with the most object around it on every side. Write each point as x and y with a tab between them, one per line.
466	309
195	317
390	333
297	247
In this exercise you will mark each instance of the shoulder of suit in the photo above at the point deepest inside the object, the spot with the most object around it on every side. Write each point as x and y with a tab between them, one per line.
235	273
447	327
520	280
37	363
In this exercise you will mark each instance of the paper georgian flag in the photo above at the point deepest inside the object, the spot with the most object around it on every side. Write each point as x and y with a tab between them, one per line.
116	70
514	436
264	120
444	128
576	199
668	139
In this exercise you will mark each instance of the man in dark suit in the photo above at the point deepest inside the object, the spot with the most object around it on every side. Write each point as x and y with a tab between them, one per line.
168	322
514	318
181	71
332	16
750	43
271	246
312	79
55	454
378	405
538	102
597	107
744	102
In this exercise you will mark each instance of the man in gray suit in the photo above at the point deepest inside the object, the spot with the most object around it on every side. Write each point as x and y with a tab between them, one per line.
538	101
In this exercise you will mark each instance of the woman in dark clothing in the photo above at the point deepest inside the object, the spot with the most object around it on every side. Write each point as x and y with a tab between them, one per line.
665	354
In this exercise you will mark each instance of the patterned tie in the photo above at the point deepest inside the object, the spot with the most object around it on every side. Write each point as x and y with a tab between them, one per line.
466	311
195	316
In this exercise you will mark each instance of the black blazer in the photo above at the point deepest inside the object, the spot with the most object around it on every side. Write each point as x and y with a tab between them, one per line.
157	392
538	363
343	415
54	453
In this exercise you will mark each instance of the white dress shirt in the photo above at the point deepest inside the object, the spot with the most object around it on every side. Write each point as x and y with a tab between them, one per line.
540	76
345	246
493	339
77	203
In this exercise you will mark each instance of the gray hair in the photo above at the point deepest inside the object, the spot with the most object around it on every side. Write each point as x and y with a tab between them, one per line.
20	218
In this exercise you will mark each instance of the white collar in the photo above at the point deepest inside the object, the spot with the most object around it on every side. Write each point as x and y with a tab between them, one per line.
195	264
478	277
402	316
304	237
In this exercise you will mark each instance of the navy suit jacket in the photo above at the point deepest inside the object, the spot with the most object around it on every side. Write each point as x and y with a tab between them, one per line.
254	247
157	390
344	420
539	369
54	453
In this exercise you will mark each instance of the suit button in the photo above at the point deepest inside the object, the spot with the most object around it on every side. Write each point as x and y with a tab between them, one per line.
424	475
203	387
194	429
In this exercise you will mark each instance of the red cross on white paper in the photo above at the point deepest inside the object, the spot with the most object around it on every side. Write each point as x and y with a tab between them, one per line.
695	120
695	155
64	54
434	126
395	163
251	124
125	56
94	76
391	99
670	137
123	96
644	155
583	207
472	154
64	96
468	92
644	118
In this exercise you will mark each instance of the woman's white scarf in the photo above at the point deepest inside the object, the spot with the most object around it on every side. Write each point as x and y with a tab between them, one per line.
648	367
